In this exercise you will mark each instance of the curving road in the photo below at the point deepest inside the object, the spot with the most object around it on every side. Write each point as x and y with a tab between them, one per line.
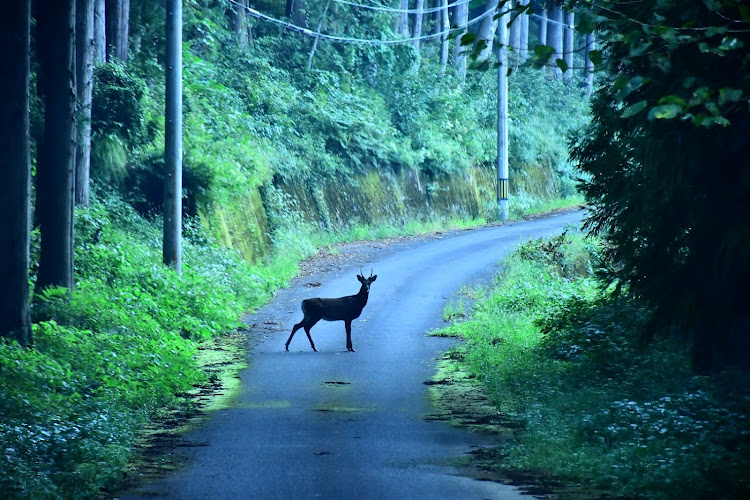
335	424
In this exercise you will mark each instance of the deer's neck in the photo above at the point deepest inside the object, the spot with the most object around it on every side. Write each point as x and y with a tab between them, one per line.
363	294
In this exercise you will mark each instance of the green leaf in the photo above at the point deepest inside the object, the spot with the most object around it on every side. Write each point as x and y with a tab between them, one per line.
713	108
561	64
673	99
731	43
587	21
542	54
468	38
715	30
637	50
595	56
632	85
634	109
688	82
664	112
729	95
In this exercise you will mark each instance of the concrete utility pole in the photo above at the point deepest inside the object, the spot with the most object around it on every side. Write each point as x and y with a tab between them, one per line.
502	120
172	243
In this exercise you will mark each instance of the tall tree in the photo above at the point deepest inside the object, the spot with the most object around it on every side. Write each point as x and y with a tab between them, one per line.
524	35
418	16
543	28
444	44
84	90
238	18
589	67
55	37
100	32
461	17
514	37
296	10
486	33
117	17
668	159
172	245
403	19
15	190
569	43
555	37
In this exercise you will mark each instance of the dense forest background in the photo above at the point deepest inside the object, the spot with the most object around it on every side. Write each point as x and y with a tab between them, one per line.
294	141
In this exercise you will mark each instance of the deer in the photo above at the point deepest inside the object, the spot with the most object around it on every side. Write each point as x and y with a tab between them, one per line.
344	309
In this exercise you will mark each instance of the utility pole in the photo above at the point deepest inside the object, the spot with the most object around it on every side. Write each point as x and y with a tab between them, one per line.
502	120
172	244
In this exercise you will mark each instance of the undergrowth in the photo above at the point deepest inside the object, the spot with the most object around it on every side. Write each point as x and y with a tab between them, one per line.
596	403
119	348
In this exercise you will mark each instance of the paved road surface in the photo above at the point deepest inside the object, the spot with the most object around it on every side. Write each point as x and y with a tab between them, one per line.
335	424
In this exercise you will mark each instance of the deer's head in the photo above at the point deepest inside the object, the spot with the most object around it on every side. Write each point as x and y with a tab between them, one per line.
366	282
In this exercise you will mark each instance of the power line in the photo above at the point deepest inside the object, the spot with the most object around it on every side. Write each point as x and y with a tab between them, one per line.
342	39
403	11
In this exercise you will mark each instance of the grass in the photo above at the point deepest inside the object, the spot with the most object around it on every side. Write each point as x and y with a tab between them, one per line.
596	406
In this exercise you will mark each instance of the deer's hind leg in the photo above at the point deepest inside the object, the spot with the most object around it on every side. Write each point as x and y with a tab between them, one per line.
294	330
307	331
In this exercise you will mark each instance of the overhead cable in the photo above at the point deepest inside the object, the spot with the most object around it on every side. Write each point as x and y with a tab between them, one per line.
308	32
403	11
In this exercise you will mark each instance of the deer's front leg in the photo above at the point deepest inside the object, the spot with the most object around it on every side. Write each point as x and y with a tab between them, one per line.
348	325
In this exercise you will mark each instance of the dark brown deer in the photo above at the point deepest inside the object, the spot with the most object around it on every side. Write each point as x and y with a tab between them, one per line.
343	309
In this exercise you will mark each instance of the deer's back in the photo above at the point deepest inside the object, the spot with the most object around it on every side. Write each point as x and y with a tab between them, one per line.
339	309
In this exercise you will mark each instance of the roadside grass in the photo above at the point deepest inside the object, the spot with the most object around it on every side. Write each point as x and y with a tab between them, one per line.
596	406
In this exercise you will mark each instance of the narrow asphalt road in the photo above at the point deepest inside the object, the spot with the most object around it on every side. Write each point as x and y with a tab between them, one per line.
335	424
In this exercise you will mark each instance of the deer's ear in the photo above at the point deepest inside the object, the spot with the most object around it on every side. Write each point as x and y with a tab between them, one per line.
373	278
360	278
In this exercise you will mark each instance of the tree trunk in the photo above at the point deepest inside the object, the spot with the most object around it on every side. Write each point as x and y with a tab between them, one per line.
418	24
15	190
84	89
444	45
524	52
568	43
486	33
136	21
238	18
297	12
514	38
100	30
543	28
461	16
54	174
502	120
555	37
117	17
404	21
589	68
172	247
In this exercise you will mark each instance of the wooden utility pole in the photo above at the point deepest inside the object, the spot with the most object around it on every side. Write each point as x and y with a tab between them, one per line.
172	245
502	120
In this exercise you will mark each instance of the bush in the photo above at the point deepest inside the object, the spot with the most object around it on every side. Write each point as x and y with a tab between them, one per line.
596	403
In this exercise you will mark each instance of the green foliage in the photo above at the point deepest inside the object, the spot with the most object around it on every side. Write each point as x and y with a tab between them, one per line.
594	407
118	105
114	352
651	156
